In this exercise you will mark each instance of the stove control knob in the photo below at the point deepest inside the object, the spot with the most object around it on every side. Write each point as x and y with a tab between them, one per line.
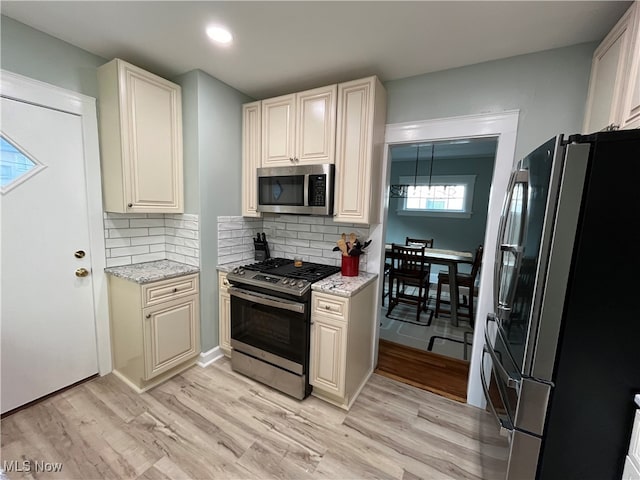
235	270
285	281
301	283
241	271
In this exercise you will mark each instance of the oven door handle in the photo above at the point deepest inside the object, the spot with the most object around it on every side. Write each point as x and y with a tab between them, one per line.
268	300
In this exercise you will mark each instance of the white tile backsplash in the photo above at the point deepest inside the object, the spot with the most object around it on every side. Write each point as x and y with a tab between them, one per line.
310	237
140	237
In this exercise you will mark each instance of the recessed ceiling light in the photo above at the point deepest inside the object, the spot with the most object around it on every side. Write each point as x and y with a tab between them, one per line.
219	34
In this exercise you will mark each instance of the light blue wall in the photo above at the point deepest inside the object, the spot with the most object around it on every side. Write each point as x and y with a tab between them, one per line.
549	88
212	119
35	54
463	234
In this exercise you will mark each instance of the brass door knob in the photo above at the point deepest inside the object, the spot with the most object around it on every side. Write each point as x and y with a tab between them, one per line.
82	272
79	254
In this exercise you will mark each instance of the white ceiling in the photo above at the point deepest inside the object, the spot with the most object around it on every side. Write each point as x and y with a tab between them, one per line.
282	47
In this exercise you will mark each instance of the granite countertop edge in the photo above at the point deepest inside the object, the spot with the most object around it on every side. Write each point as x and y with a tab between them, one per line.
343	286
149	272
637	399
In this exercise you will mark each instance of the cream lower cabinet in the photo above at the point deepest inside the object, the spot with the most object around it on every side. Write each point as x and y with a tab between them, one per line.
155	329
632	462
359	147
341	357
140	124
224	314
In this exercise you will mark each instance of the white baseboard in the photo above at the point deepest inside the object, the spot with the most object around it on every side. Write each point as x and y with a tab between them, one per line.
210	356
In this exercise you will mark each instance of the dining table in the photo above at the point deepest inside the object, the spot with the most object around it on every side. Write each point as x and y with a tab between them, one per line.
450	259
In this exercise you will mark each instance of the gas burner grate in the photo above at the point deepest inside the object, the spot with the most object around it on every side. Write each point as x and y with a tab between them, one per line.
311	272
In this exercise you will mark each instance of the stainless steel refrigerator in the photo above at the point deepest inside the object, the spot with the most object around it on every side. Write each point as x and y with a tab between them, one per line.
561	360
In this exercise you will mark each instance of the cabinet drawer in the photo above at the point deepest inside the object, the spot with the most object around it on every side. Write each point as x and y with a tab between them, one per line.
329	305
223	283
171	289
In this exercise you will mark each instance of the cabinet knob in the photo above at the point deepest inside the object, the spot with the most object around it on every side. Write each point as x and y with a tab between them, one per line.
148	315
291	159
129	205
175	290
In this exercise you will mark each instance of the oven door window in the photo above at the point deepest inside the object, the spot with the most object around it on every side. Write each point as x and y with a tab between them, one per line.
281	190
280	332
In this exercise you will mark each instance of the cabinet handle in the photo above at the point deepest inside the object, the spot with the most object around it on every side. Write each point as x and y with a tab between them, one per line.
295	159
175	290
129	205
327	307
291	160
148	315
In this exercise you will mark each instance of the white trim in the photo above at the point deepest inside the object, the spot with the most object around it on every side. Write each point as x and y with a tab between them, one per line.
210	356
35	92
502	125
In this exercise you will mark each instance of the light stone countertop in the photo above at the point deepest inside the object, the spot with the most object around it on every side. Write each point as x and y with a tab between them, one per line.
148	272
343	286
227	267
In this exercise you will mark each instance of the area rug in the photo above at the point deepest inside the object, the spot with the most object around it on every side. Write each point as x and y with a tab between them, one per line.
437	335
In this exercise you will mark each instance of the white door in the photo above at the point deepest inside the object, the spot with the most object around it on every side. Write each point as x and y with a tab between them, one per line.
48	331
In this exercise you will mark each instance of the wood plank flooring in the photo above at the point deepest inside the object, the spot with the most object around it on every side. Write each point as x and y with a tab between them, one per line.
439	374
211	423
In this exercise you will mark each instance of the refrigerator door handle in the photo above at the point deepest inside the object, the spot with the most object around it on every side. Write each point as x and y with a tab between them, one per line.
502	334
506	428
508	379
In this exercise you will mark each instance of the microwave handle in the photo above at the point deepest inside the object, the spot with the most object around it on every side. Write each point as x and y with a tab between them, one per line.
306	189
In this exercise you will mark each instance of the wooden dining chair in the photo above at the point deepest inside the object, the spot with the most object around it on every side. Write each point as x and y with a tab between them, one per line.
467	280
408	267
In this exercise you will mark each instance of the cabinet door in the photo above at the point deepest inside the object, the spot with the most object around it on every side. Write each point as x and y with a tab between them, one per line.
316	125
152	139
631	106
251	148
224	314
171	334
609	74
328	355
360	136
278	131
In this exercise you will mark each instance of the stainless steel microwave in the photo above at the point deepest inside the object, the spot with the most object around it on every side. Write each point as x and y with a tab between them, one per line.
300	189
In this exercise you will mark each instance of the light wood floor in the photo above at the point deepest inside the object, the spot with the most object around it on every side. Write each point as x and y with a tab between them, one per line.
212	423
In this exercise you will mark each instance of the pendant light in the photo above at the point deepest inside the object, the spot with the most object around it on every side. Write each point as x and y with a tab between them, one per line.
402	190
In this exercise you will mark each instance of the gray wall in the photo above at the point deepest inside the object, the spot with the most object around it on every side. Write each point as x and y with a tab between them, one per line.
213	167
212	125
463	234
35	54
549	88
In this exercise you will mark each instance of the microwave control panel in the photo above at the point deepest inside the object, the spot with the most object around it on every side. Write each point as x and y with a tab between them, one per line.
317	190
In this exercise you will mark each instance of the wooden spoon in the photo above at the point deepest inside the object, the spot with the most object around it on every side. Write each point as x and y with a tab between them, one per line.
342	245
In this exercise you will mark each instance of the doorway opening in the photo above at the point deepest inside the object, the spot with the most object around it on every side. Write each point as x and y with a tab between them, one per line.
433	353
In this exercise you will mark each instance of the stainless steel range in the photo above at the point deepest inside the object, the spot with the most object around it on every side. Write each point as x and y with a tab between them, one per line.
271	322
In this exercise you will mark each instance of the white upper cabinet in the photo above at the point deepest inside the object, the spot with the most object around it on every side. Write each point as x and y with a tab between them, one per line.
608	104
299	128
359	143
631	104
140	123
251	131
